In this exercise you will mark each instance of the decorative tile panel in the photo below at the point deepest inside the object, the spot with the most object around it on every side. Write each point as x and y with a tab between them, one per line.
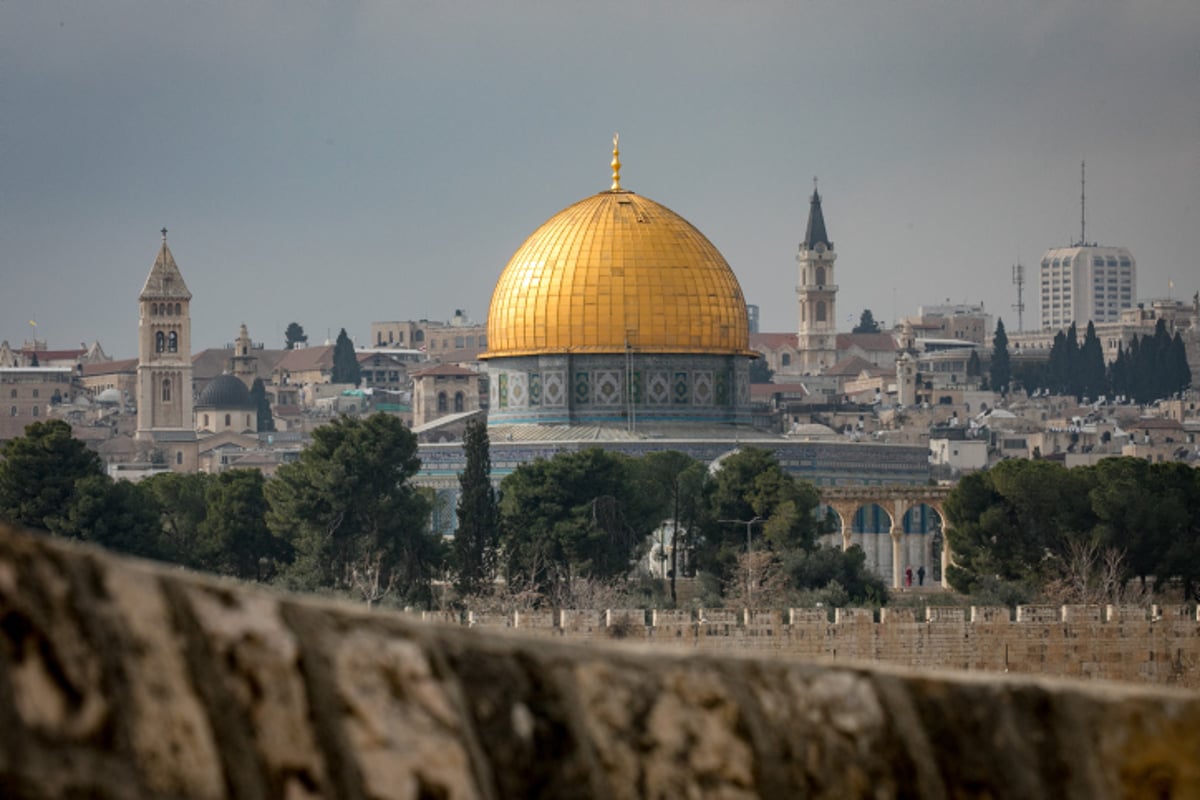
583	388
702	388
722	388
518	391
679	388
535	389
502	390
659	389
608	388
555	392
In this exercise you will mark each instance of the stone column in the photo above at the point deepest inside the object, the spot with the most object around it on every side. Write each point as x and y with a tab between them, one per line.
897	556
947	558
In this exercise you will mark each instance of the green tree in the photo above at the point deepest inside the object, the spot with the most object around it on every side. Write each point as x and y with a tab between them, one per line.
348	506
575	515
345	361
866	323
235	539
1000	371
181	500
118	515
258	393
293	336
749	486
675	483
478	533
1092	378
39	471
759	371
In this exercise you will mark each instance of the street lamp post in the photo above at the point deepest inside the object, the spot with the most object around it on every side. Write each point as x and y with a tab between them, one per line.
749	564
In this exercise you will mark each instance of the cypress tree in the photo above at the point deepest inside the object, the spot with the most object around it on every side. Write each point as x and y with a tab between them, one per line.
1091	364
478	532
345	362
1001	367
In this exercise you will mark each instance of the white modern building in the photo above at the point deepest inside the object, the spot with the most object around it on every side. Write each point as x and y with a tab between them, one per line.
1086	283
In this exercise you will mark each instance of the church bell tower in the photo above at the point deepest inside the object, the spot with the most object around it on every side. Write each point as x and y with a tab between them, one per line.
817	294
164	372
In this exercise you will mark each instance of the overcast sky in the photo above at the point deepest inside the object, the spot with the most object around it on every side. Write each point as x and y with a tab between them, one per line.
337	163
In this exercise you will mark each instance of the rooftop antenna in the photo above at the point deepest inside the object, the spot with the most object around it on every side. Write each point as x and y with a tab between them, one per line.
1082	203
1018	278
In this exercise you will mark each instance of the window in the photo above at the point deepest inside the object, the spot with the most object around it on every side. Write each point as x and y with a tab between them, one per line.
14	411
785	359
35	411
206	420
170	309
179	309
178	456
173	342
459	342
247	420
228	420
166	390
35	392
441	405
14	393
458	401
160	342
154	309
820	276
820	311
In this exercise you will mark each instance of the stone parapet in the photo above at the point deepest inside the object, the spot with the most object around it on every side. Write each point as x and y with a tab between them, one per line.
121	679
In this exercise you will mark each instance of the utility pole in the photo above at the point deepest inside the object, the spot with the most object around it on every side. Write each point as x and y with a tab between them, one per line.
1018	278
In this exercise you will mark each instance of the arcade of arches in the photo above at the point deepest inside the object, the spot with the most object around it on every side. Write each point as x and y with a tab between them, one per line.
908	518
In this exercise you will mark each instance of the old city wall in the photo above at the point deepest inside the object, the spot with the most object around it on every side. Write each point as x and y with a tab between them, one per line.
121	679
1158	645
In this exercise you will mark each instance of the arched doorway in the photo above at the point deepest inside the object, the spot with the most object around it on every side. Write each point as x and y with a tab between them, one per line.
921	545
871	530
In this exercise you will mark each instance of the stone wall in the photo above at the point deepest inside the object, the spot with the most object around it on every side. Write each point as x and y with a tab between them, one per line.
1158	645
121	679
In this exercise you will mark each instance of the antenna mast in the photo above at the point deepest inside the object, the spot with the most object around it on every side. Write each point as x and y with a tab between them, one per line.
1018	278
1082	203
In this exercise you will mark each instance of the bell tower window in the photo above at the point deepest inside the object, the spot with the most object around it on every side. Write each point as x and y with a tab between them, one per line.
166	390
820	311
160	342
172	342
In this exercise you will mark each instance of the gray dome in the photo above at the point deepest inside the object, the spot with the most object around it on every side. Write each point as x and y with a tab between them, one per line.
225	391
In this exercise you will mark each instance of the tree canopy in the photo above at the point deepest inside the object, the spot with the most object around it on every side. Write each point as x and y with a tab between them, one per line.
1000	373
293	336
477	537
347	506
866	323
345	362
39	471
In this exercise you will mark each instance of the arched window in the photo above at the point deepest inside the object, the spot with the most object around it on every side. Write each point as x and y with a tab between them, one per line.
166	390
820	276
419	336
441	401
160	342
458	401
35	411
169	308
786	359
820	311
172	342
154	309
178	456
179	309
14	411
228	420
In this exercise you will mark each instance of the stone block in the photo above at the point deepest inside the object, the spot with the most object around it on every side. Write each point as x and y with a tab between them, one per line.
991	614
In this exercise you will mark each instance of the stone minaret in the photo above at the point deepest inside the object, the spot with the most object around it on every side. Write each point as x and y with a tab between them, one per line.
817	294
164	373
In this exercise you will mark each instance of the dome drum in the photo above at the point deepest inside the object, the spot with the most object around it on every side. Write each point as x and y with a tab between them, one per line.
592	389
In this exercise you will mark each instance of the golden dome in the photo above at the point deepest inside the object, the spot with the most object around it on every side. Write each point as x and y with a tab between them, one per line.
612	269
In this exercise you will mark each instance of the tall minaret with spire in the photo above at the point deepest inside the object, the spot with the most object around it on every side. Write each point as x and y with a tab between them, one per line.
816	293
164	373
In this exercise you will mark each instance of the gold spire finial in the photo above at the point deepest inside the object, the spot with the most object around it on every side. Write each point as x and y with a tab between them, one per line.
616	163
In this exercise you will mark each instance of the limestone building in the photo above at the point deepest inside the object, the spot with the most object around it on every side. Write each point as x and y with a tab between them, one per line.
164	374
